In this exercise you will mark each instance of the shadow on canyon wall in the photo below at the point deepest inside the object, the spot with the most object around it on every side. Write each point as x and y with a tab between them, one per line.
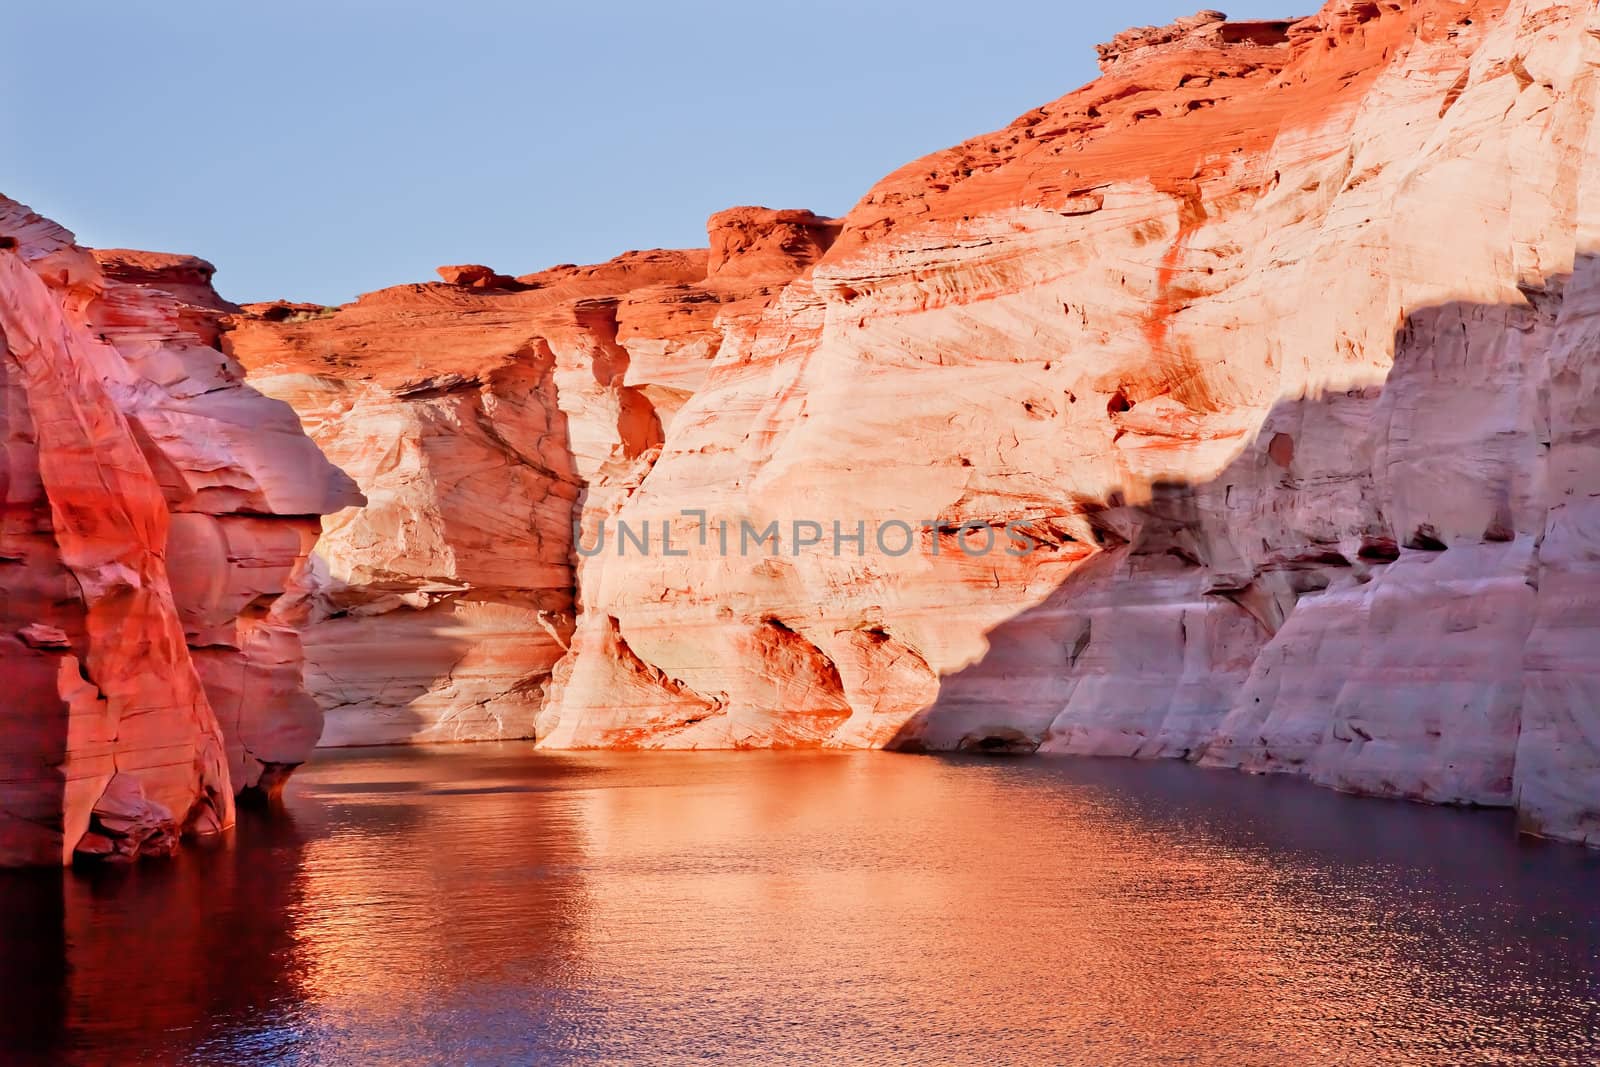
35	588
1145	647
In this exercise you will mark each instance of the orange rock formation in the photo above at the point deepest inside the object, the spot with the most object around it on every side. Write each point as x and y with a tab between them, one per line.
156	509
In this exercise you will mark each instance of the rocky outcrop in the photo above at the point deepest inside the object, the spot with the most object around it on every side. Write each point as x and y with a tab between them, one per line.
1235	407
476	276
1203	31
156	509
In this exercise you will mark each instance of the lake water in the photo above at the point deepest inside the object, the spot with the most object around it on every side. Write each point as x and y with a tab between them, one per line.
487	904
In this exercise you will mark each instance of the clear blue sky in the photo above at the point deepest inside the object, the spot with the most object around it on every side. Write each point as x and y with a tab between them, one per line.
318	150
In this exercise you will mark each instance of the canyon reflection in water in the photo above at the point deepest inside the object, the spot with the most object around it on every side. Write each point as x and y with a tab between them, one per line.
489	904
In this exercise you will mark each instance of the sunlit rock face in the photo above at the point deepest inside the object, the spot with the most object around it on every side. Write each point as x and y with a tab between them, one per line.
156	510
1272	335
1272	346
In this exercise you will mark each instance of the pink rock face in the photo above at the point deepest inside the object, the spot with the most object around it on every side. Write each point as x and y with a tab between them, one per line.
139	477
1275	342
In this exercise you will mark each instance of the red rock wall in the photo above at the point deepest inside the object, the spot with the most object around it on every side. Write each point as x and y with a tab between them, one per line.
143	488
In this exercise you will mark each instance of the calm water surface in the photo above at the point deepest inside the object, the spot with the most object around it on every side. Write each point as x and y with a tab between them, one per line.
484	904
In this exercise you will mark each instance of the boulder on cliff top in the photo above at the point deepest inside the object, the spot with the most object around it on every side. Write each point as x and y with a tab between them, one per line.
476	276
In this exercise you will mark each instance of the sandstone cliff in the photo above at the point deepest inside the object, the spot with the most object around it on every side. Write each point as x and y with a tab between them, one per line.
156	508
1274	345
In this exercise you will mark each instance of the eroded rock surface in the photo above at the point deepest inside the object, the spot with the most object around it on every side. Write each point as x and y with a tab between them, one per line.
156	509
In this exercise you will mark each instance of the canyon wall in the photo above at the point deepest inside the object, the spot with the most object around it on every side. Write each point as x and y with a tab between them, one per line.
155	511
1272	347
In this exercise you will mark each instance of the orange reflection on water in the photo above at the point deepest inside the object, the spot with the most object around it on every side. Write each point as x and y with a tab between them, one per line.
492	904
